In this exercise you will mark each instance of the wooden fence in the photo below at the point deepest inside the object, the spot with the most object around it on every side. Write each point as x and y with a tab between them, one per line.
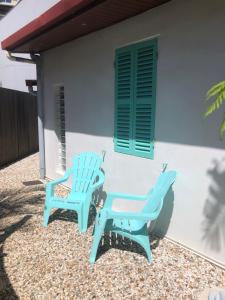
18	125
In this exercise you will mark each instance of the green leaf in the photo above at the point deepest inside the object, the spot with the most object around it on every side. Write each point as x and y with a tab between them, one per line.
216	89
218	93
210	109
222	128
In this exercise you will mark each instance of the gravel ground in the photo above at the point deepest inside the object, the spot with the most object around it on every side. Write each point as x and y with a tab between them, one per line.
52	262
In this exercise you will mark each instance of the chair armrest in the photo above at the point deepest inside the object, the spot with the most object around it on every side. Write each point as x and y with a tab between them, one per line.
127	196
128	216
50	185
112	196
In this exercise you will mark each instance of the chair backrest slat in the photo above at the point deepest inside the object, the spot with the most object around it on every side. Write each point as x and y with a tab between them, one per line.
85	170
156	196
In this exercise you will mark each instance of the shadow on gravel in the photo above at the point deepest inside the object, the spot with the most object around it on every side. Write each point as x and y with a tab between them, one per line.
63	215
20	201
17	203
6	288
114	241
71	216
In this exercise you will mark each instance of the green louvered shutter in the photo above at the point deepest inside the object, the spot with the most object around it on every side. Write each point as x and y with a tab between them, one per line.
135	95
144	98
123	103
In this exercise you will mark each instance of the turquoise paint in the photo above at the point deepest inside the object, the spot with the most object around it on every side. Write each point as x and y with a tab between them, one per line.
132	225
135	99
85	172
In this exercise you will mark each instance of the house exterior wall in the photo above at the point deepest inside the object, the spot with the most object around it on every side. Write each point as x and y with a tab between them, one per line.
14	74
191	51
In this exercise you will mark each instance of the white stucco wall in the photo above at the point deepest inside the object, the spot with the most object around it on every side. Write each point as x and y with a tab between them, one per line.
191	58
14	74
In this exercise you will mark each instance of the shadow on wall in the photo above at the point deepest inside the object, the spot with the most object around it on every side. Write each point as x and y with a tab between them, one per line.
160	226
89	117
214	209
90	111
20	205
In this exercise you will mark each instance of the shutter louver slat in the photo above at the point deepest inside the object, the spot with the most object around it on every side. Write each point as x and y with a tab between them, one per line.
123	101
61	130
144	102
135	99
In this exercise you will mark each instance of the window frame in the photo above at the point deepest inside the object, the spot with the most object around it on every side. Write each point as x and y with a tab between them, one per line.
133	50
60	123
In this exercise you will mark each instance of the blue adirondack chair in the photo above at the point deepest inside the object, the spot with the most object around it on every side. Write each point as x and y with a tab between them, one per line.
128	215
86	179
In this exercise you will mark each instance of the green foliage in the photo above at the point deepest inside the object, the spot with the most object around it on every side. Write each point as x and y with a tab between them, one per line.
217	93
222	127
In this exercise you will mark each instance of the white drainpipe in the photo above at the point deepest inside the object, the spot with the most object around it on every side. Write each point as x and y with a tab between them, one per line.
35	59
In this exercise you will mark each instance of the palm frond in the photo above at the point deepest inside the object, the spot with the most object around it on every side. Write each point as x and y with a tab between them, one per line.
222	128
218	93
216	103
216	89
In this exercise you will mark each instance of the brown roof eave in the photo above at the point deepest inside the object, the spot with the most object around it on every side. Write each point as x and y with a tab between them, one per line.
71	19
51	18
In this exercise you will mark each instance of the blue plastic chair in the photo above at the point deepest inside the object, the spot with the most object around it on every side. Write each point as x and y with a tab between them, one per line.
128	215
86	179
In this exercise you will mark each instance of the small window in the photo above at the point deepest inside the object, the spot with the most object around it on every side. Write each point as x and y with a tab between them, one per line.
135	97
6	1
60	127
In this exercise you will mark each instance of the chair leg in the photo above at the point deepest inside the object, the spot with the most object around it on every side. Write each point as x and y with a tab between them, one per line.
47	211
99	229
144	242
85	225
80	220
143	239
85	217
148	251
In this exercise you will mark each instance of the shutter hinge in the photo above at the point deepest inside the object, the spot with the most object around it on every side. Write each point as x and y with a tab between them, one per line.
114	64
157	54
